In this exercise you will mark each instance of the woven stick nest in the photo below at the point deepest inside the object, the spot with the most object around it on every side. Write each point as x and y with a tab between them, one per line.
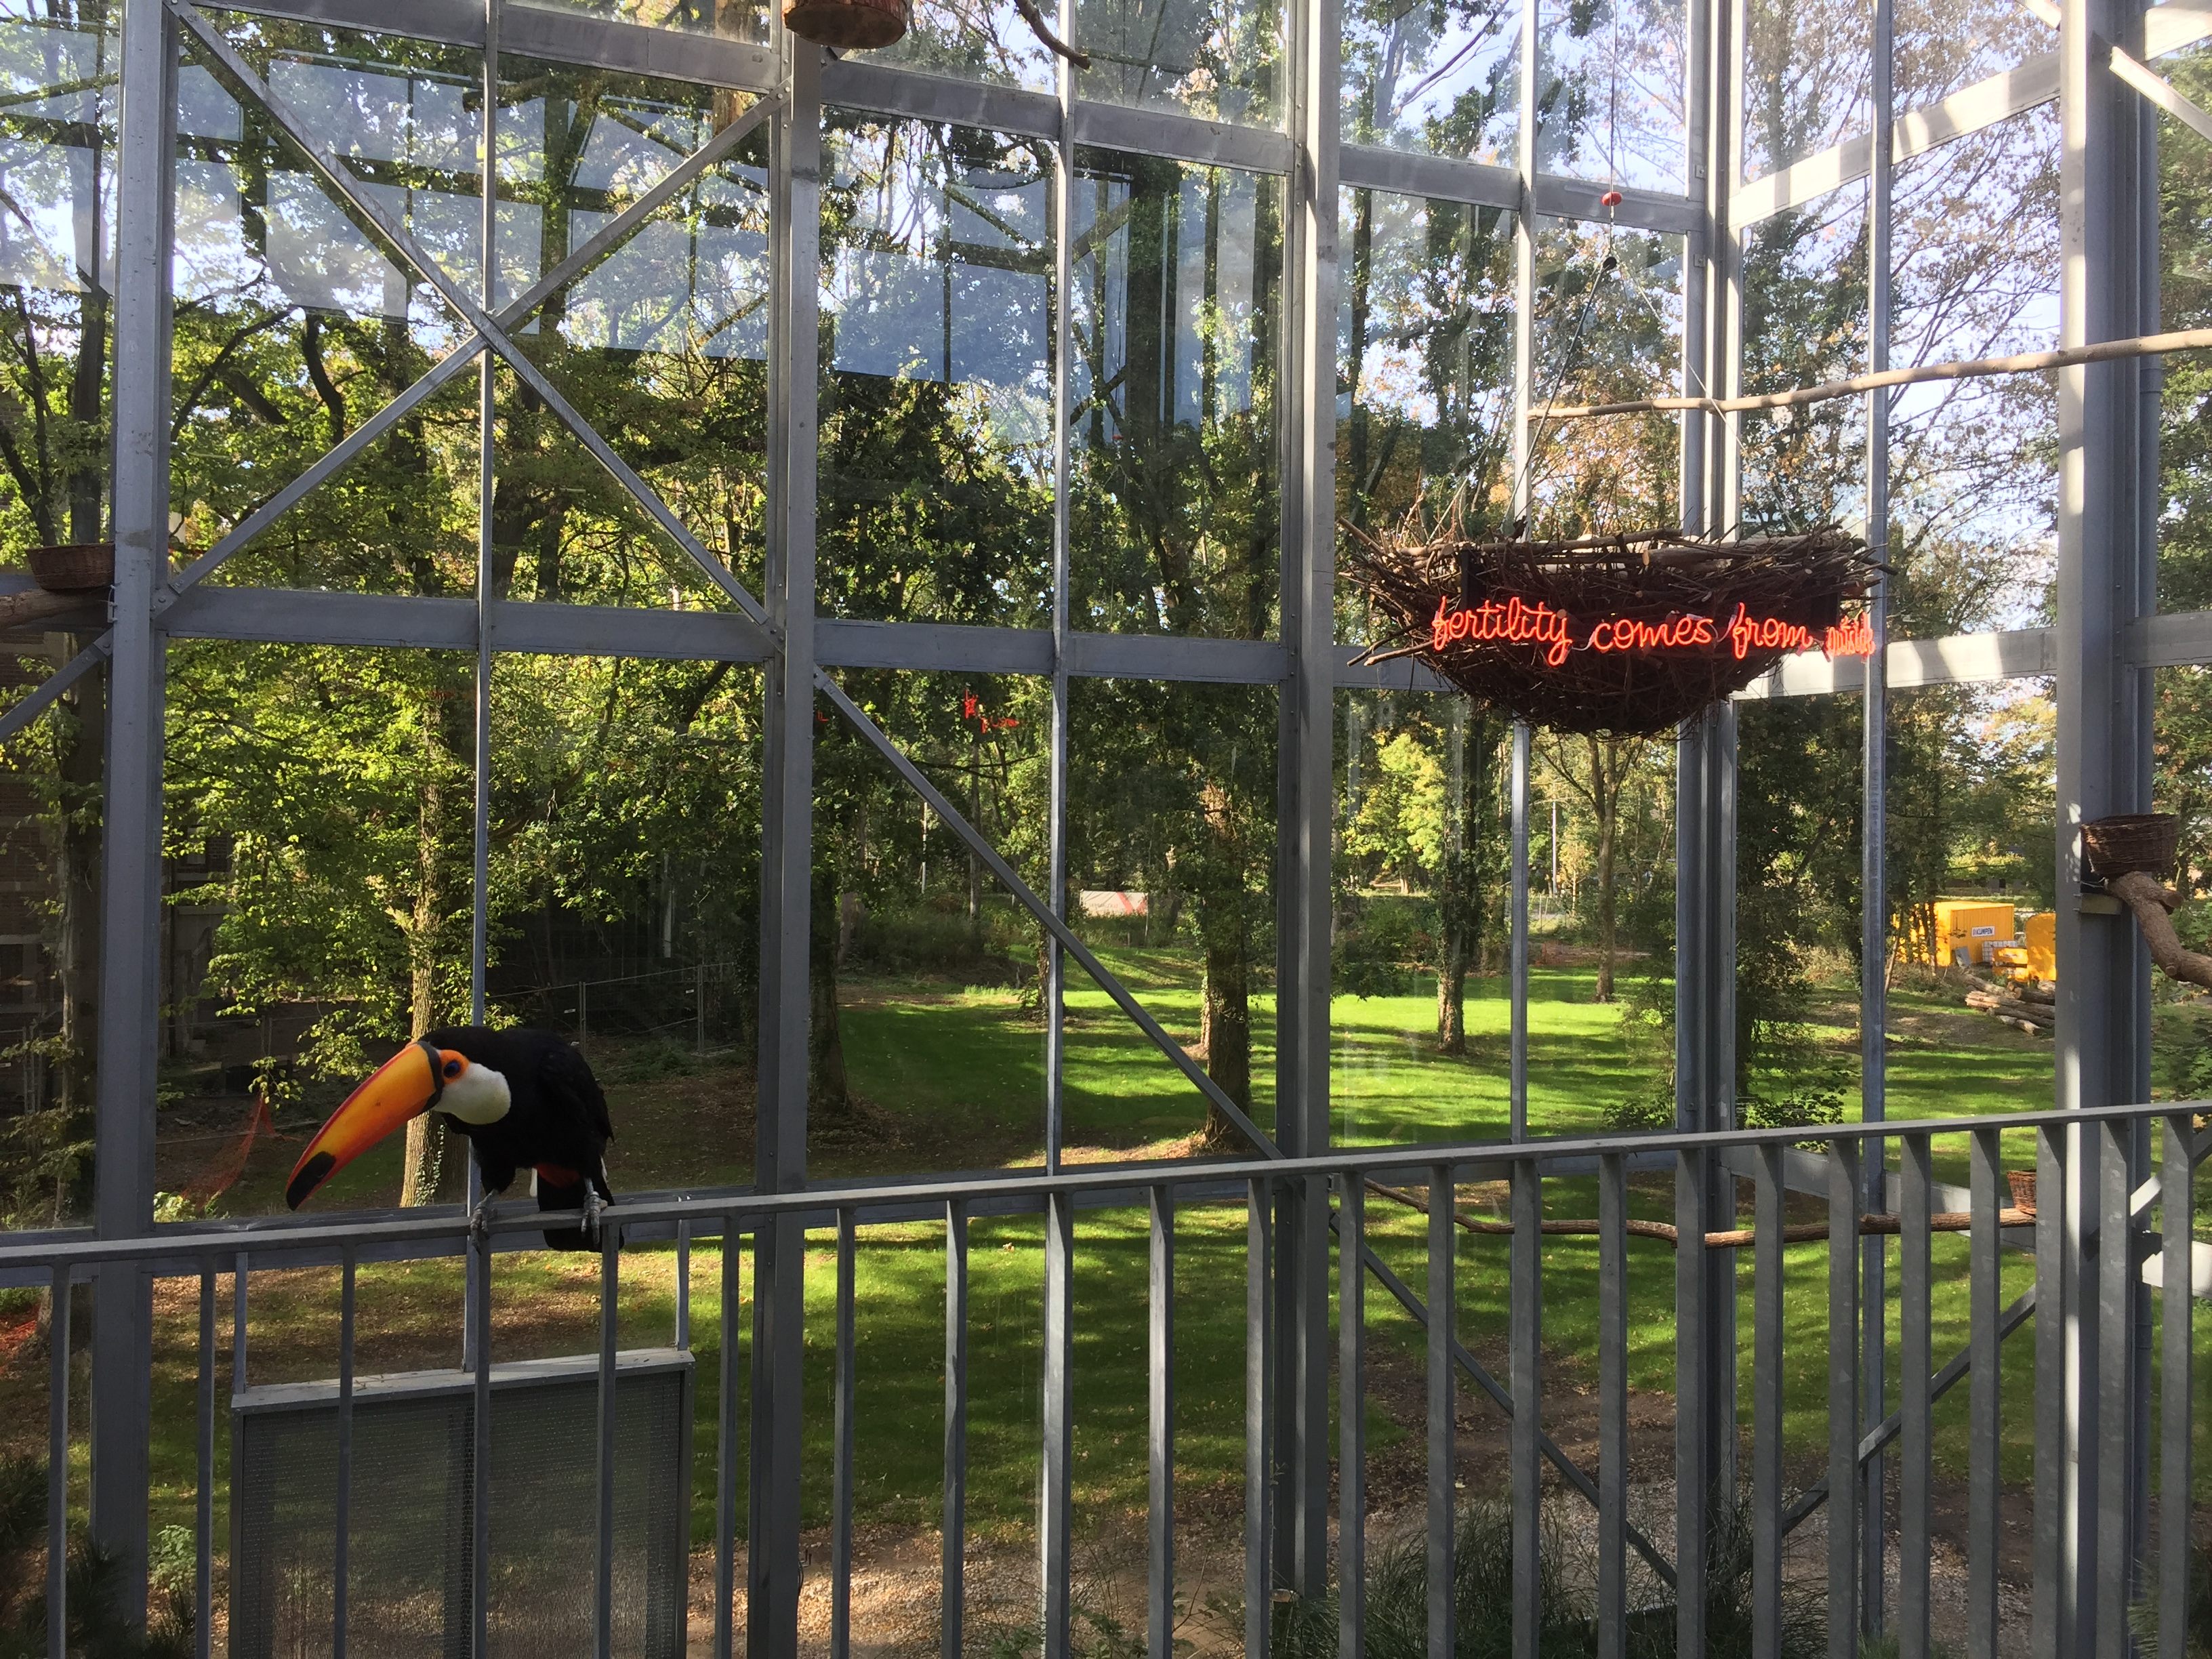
1625	635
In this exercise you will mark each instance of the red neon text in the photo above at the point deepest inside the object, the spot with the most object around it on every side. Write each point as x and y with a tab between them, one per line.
1513	621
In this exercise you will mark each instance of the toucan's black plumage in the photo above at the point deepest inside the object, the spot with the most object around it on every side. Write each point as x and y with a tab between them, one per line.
555	1125
525	1098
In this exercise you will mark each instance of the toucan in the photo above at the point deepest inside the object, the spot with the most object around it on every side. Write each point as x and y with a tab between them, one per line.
525	1098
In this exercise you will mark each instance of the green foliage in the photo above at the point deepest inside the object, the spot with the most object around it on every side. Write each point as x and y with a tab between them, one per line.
97	1626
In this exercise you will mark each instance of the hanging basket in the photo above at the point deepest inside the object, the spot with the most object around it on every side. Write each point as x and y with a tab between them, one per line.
846	25
2131	840
1626	634
75	569
2022	1182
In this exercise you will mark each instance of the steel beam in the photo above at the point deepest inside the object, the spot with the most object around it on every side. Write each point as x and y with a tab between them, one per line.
129	1032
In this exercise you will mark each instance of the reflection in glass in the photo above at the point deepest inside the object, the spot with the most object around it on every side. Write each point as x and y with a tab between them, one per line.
661	346
1425	361
292	329
1973	473
974	40
1943	45
733	20
1221	58
1608	327
1443	76
1804	322
1611	84
1807	66
1177	322
937	416
2184	300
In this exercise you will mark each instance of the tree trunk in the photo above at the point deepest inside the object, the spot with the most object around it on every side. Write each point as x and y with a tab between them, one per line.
827	1090
1225	1029
425	1139
1470	834
1608	761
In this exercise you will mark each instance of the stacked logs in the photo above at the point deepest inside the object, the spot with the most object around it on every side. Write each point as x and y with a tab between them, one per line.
2028	1008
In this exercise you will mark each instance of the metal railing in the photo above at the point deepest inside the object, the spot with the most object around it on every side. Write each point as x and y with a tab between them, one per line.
2100	1562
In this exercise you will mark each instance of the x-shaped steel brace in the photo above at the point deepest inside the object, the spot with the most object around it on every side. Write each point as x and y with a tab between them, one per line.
492	330
2135	73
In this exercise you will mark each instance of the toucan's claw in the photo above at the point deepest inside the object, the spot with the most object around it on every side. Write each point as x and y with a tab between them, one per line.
480	1221
589	1225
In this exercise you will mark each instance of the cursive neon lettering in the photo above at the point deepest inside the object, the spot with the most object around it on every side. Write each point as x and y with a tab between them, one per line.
1514	621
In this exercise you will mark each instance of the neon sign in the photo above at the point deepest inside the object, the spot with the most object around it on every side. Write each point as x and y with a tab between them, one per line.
1513	621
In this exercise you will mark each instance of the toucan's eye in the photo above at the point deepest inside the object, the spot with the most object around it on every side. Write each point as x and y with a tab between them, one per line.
452	1068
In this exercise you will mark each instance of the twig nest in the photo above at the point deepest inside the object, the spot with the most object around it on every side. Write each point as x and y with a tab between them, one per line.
72	568
2131	840
1628	634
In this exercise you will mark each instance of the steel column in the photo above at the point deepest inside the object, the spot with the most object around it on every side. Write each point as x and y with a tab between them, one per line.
2106	569
128	1047
772	1564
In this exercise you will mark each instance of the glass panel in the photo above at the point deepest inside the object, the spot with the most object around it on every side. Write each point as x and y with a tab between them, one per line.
619	920
1424	365
1612	82
1807	69
319	800
2181	1023
1805	321
1971	857
734	20
1973	470
973	40
1220	59
1174	504
292	330
1798	946
661	346
57	265
927	1037
2185	553
1608	327
1601	960
1170	860
936	461
1441	76
1942	45
1420	1012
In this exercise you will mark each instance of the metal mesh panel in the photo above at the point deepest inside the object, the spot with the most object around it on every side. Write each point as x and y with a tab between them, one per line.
409	1531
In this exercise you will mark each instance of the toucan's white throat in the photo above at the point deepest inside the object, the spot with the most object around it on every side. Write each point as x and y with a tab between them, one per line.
478	1097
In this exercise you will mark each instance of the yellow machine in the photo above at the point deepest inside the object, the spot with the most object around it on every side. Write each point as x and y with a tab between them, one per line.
2037	956
1970	932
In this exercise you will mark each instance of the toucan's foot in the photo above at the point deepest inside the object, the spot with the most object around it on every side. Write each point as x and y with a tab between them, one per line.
480	1221
589	1224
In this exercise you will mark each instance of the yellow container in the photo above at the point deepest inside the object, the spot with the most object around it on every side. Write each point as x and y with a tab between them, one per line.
2042	945
1969	930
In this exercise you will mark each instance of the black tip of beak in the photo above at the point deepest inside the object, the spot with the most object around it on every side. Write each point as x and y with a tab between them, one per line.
308	1177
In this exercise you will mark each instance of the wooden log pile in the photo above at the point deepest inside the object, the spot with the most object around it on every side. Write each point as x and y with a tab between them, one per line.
2024	1007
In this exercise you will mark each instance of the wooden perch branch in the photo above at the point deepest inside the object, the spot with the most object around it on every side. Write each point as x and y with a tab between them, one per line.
1035	19
2026	362
35	604
2151	900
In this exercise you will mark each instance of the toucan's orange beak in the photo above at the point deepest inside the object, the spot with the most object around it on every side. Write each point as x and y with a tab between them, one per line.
405	1086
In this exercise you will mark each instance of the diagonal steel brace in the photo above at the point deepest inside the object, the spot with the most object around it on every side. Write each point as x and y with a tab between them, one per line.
371	217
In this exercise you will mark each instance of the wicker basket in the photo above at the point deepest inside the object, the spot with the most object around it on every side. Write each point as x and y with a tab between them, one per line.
2129	841
2022	1182
846	25
73	569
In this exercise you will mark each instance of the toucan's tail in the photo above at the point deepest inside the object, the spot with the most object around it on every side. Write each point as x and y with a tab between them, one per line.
564	1190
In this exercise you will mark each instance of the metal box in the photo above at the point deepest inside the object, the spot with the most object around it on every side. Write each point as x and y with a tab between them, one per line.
409	1513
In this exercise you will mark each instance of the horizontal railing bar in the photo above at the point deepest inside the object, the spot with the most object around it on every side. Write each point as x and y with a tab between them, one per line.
190	1243
1878	1437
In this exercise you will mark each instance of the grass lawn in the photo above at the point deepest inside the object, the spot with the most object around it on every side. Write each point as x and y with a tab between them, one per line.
954	1077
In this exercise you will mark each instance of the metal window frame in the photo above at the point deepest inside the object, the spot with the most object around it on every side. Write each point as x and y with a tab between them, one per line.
2099	660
